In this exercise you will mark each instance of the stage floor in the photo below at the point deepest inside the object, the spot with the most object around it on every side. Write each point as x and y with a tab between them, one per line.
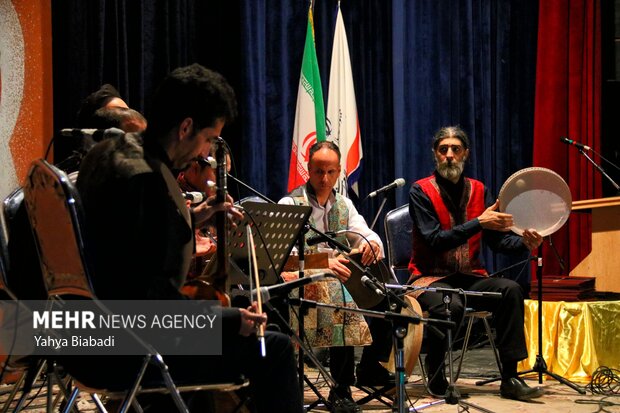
478	364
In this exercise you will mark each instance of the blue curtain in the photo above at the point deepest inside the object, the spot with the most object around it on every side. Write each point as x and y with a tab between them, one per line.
470	63
417	65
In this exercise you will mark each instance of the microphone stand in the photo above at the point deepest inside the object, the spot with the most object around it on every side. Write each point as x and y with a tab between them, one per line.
399	323
399	329
374	221
249	188
601	170
303	348
540	365
452	395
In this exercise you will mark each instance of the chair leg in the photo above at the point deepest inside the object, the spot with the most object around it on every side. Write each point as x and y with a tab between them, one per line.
136	406
100	407
423	370
71	400
487	328
131	394
14	391
470	323
174	392
29	379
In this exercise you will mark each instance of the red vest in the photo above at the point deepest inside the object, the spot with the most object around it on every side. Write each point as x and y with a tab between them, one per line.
464	258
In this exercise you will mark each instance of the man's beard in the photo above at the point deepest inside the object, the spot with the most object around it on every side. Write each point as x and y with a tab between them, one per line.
450	170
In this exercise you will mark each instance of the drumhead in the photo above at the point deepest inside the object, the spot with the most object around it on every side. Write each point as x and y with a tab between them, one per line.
537	198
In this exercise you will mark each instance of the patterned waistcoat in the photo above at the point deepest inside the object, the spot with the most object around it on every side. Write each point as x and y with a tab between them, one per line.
337	216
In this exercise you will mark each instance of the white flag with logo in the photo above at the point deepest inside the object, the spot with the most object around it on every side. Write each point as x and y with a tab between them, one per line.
342	122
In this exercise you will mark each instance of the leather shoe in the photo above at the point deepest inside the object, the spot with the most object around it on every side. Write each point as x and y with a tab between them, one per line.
515	388
341	401
373	374
437	382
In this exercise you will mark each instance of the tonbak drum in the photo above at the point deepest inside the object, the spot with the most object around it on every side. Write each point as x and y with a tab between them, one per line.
413	340
537	198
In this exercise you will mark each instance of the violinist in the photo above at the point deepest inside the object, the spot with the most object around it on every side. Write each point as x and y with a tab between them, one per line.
200	176
142	235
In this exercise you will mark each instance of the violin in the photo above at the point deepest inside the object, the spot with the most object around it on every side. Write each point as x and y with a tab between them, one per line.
204	287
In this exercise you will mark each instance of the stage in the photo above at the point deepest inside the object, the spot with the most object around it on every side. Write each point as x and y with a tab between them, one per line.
578	338
479	364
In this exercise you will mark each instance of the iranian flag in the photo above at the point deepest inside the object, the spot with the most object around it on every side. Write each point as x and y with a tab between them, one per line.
310	113
342	121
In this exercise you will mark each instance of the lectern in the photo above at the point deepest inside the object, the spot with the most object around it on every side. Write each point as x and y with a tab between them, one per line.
603	262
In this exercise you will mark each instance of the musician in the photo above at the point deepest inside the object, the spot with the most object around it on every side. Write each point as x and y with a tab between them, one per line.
340	332
105	97
142	235
200	176
451	215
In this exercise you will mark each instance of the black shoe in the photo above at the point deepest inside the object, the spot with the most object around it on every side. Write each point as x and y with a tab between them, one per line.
516	389
342	401
373	374
437	382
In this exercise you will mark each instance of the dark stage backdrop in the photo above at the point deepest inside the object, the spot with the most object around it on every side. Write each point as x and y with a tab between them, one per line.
417	65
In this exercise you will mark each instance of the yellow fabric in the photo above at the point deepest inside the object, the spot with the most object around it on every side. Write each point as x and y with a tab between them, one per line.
578	337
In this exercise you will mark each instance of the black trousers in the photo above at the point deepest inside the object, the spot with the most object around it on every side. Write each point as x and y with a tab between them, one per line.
507	313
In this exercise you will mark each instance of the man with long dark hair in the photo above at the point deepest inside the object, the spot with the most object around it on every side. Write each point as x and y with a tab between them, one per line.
451	215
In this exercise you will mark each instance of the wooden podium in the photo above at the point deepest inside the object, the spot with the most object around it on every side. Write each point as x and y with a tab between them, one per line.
603	262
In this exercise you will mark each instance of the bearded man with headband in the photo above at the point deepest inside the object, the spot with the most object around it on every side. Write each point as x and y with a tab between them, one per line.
452	215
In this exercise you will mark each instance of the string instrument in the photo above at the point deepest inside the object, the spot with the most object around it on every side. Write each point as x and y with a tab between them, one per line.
214	286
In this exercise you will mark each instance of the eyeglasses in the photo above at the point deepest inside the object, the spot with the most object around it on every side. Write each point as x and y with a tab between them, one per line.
456	149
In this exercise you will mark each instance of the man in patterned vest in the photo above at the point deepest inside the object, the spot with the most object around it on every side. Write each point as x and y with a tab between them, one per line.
324	328
451	215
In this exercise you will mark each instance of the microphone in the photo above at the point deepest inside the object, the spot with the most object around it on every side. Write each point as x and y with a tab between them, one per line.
397	183
195	197
96	135
284	288
577	144
372	285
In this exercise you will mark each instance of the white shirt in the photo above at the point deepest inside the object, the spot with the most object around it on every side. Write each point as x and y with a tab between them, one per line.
357	223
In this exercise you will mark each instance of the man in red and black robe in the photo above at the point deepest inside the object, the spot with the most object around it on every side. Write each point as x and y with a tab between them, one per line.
451	216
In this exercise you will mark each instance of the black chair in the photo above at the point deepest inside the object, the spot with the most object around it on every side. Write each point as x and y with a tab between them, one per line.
398	238
7	366
398	227
19	263
55	213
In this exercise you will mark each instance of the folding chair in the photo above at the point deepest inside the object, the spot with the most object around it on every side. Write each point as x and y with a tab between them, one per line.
398	227
55	214
30	368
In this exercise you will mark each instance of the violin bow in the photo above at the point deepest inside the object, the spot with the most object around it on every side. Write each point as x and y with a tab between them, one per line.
260	333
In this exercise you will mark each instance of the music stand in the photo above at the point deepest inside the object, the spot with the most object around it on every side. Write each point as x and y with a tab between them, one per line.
275	228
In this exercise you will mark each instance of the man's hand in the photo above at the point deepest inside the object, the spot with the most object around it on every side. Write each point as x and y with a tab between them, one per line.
338	267
250	320
497	221
370	251
207	209
204	245
532	239
289	276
